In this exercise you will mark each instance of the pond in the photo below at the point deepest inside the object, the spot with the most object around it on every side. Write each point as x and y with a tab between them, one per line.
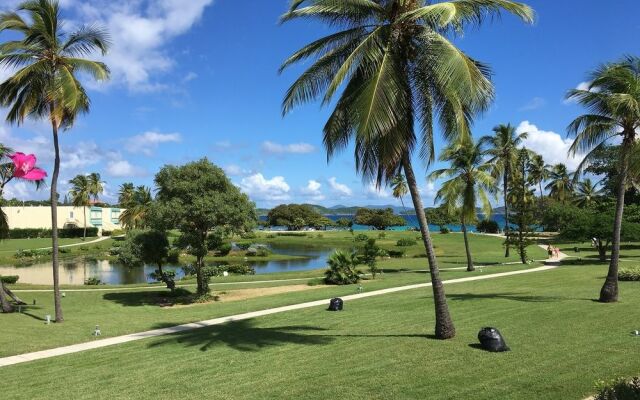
77	271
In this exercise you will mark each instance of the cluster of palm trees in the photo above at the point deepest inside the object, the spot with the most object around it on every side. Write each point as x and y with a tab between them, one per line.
84	190
136	201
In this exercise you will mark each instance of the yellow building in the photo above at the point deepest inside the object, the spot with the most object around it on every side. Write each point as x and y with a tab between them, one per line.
103	218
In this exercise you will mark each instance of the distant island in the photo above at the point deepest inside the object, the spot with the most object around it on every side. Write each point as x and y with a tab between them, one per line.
351	210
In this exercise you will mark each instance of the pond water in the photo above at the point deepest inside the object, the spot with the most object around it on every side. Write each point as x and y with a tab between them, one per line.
77	271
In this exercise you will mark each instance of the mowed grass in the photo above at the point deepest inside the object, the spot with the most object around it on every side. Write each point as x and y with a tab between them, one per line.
11	245
377	348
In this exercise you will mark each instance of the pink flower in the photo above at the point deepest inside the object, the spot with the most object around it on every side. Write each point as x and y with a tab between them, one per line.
25	167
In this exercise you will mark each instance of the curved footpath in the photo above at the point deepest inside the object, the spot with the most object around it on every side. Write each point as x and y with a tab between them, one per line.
22	358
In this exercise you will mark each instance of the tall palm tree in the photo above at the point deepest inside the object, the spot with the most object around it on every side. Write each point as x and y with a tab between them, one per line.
612	100
133	217
96	186
503	152
394	66
469	182
80	193
45	85
560	184
125	194
399	188
587	193
538	173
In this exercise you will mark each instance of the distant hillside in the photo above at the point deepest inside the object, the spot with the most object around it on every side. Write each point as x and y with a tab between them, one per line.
345	210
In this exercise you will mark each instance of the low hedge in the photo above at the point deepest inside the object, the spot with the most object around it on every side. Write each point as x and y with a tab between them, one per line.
9	279
406	242
619	389
629	274
66	233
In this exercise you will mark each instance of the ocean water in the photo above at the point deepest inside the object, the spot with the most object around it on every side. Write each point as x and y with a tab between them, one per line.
412	222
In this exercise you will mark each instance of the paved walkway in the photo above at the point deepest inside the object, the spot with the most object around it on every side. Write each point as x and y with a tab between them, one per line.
96	344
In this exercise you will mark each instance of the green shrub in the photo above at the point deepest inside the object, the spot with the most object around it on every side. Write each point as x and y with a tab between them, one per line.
9	279
619	389
406	242
240	269
243	246
291	234
29	233
382	235
342	269
84	248
488	226
395	253
224	249
629	274
248	235
114	251
444	230
271	236
93	282
106	233
174	256
361	237
64	250
68	233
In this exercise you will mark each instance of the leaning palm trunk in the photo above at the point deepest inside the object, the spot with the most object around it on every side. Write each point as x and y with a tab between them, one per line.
609	291
54	222
444	326
506	211
470	266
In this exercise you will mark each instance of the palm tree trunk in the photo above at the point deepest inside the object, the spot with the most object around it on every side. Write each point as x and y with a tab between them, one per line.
609	291
444	325
84	214
470	266
5	306
506	210
54	223
541	197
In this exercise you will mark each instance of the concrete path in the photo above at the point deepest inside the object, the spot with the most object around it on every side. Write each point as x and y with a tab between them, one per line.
96	344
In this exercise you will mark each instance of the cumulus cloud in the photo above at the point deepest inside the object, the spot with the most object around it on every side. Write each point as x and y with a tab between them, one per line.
533	104
123	169
312	190
373	192
339	188
147	142
553	147
260	188
236	170
294	148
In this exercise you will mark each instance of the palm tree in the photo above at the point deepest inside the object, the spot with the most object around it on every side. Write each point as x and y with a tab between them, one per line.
612	100
503	152
80	193
587	193
538	173
469	182
125	194
45	84
96	186
560	184
395	67
133	217
399	188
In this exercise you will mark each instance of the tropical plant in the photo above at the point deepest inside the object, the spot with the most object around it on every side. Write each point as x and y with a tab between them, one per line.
96	186
342	268
502	149
80	193
399	188
523	208
136	209
538	173
469	182
125	194
44	84
395	68
586	192
560	184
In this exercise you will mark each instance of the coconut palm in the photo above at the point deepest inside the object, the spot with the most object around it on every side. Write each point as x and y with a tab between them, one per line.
469	182
342	268
399	188
560	184
96	186
394	66
45	85
612	100
502	148
136	209
538	173
125	194
80	193
587	193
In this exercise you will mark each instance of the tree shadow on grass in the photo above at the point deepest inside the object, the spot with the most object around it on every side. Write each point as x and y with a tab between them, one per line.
503	296
245	336
150	297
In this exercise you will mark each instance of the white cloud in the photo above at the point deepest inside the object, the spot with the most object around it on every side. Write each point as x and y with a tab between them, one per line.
312	191
294	148
533	104
189	77
236	170
123	169
580	86
377	193
147	142
339	188
260	188
553	148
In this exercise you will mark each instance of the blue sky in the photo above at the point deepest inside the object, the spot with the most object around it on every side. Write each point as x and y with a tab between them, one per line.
199	78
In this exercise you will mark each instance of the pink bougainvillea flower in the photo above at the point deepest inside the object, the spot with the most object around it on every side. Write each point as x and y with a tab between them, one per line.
25	167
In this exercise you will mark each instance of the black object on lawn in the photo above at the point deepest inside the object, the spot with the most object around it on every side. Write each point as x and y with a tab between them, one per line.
335	304
491	340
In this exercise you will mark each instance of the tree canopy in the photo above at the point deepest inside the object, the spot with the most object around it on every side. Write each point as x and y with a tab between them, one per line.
296	217
378	219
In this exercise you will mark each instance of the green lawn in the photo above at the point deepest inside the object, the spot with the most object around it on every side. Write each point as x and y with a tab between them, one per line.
378	348
11	245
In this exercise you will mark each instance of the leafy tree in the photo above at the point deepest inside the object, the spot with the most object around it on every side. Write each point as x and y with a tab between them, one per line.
440	216
468	183
197	198
503	149
45	85
344	223
379	219
560	184
81	197
612	100
342	268
148	247
296	217
587	193
523	208
488	226
370	254
557	216
399	188
395	68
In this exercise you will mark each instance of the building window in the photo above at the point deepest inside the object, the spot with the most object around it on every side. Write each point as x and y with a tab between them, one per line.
96	215
71	214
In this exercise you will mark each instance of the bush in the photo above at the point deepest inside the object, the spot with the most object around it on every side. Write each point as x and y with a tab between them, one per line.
84	248
248	235
271	236
619	389
239	269
488	226
224	249
9	279
243	246
64	250
382	235
406	242
361	237
342	269
114	251
174	256
93	282
291	234
629	274
395	253
444	230
68	233
106	233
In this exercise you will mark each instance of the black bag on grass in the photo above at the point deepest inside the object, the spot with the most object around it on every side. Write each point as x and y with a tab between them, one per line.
491	340
335	304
